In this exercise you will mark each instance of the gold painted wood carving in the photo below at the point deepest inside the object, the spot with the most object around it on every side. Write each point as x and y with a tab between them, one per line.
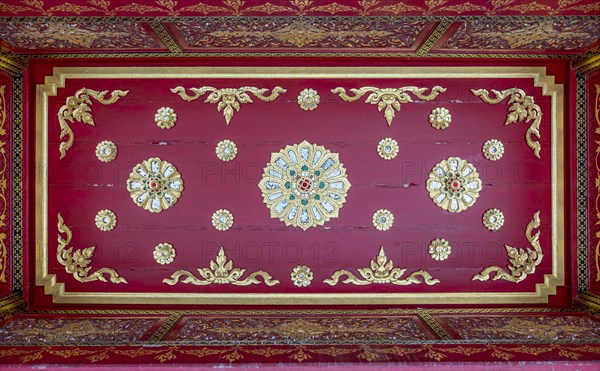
389	99
454	184
381	271
78	262
523	262
523	108
77	108
3	188
154	185
597	116
221	272
228	99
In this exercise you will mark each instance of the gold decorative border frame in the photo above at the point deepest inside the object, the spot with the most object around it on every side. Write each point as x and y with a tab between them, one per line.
538	74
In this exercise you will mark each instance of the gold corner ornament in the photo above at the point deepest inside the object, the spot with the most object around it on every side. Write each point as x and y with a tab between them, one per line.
389	99
77	108
154	185
304	185
522	261
228	99
382	271
454	184
78	262
221	272
523	108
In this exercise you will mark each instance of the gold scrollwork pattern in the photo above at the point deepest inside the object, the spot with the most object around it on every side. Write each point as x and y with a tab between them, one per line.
3	185
78	262
381	271
77	108
597	163
389	99
228	99
522	108
522	261
221	272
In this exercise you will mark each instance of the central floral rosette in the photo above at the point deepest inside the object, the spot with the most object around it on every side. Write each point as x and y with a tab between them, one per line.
454	184
304	185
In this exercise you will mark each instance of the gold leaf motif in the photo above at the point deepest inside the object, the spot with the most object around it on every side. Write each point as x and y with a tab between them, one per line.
333	8
77	108
522	261
389	99
221	272
268	8
381	271
523	108
77	262
228	99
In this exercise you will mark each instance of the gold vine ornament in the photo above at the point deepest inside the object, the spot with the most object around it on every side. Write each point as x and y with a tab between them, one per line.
77	262
522	261
228	99
389	99
221	272
382	271
77	108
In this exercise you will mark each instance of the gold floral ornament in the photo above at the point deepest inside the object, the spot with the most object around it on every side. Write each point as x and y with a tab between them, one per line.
383	220
454	184
226	150
493	219
106	151
493	149
304	185
77	108
389	99
440	118
522	261
154	185
387	148
78	262
382	271
439	249
222	219
228	99
164	253
522	108
301	276
221	272
308	99
106	220
165	117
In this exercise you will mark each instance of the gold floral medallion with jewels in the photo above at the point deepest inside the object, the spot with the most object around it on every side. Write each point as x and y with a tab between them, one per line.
154	185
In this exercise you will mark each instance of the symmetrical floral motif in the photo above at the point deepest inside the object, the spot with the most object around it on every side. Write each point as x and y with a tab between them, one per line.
154	185
304	185
439	249
221	272
228	99
165	117
383	220
302	276
387	148
493	219
493	149
222	219
389	99
226	150
106	151
308	99
440	118
106	220
381	271
164	253
522	262
454	184
78	262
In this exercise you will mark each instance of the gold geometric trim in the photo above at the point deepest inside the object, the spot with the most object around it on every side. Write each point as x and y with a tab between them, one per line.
4	264
597	165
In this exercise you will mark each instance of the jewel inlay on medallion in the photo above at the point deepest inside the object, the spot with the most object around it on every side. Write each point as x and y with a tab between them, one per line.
454	184
164	253
387	148
226	150
440	118
106	151
165	117
222	219
493	219
106	220
154	185
439	249
383	220
308	99
493	149
301	276
304	185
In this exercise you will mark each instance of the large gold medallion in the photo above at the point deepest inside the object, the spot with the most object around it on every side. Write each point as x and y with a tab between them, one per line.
154	185
454	184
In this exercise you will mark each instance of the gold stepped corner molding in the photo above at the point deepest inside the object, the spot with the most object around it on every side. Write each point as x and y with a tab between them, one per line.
228	99
523	262
523	108
304	185
382	271
389	98
78	262
221	272
77	108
